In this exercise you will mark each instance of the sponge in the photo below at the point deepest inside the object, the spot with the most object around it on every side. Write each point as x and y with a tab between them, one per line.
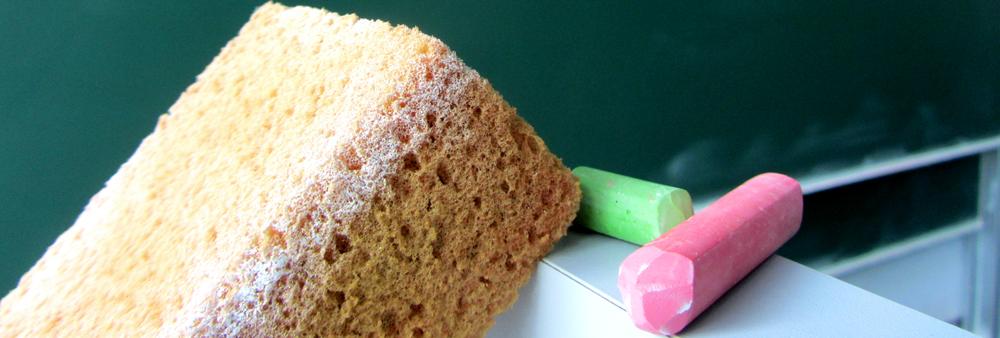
324	176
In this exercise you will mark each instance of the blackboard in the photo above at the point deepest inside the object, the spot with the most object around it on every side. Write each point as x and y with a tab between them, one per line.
700	95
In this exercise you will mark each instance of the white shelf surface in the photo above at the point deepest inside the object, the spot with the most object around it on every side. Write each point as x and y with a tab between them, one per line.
573	294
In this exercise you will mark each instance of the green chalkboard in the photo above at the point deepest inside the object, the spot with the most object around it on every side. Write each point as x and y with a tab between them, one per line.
697	94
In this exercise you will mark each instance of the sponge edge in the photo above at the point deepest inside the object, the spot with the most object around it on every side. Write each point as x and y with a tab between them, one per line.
670	281
326	175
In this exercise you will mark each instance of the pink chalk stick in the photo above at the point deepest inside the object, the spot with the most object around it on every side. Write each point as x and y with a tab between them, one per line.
670	281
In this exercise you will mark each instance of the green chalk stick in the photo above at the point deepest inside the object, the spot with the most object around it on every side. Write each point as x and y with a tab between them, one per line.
627	208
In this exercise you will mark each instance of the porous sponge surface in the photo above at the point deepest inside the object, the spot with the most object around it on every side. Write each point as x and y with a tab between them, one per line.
325	175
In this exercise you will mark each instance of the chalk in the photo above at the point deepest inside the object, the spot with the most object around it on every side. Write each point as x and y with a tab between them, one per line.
670	281
627	208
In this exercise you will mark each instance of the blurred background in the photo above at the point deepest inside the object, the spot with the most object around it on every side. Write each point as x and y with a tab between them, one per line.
888	111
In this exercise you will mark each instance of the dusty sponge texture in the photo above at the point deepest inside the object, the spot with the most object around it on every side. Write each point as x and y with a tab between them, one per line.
325	175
